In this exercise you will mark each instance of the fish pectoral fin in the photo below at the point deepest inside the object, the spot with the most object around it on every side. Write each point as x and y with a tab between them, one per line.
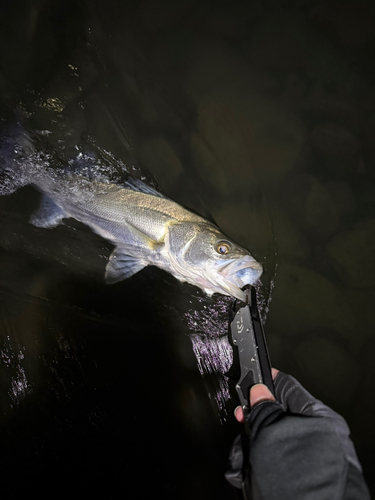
121	266
48	214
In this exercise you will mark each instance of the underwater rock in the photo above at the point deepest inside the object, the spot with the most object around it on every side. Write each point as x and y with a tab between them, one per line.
164	14
311	206
368	377
233	24
248	224
226	24
156	112
326	101
161	160
295	90
243	137
368	143
265	228
289	242
352	254
210	65
303	298
362	303
285	41
352	25
342	195
366	197
337	148
327	370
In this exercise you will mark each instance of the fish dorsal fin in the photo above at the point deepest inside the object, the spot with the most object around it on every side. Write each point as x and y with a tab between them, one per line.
121	266
141	187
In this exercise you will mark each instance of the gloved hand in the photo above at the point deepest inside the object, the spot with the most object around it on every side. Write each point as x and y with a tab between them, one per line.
297	446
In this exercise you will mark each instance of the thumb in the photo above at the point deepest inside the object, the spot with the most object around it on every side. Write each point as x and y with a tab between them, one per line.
260	392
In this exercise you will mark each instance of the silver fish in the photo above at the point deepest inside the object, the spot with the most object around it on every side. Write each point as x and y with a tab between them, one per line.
147	229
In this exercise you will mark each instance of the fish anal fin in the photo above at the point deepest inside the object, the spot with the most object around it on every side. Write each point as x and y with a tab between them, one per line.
48	214
121	266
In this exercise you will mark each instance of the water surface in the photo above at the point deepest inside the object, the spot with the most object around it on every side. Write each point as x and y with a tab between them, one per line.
256	114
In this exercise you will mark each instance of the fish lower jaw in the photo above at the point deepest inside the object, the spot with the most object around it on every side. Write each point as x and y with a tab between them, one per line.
210	283
224	288
237	294
232	291
201	282
241	296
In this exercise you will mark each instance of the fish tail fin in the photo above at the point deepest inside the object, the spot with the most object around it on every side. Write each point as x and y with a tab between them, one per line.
16	164
49	214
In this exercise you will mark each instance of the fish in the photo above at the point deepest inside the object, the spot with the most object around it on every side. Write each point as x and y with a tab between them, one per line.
145	227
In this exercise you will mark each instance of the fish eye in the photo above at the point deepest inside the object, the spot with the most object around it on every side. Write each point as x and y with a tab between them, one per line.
223	247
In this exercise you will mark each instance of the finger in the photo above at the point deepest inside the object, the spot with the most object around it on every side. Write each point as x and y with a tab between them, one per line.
275	373
260	392
293	395
238	413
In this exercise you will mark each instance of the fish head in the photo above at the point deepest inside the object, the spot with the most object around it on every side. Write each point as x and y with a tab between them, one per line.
202	255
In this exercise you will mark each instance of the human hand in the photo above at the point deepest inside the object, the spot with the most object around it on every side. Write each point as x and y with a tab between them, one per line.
312	453
258	393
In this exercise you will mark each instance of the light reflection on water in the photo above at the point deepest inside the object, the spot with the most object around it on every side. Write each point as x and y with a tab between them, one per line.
18	384
209	337
210	343
214	356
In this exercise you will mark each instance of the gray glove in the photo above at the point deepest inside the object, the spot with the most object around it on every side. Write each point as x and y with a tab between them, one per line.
297	448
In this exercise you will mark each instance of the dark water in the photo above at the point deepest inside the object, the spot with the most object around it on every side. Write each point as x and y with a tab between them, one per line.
260	114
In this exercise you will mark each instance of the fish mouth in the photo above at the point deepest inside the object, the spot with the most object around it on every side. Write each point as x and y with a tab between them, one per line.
236	274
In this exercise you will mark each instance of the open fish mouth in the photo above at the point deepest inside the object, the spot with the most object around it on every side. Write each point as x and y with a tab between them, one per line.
233	276
245	271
